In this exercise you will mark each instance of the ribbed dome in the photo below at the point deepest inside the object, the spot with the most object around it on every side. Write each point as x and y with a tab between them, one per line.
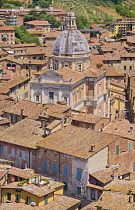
70	42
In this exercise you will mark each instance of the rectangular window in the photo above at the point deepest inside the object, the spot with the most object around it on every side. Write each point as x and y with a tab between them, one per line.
54	168
25	94
45	165
27	67
28	200
9	196
1	149
65	171
13	152
125	67
79	190
130	147
130	67
79	67
11	117
51	95
18	198
27	75
79	174
117	149
45	200
23	155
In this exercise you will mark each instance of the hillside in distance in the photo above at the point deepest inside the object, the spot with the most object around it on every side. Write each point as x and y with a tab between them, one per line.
98	11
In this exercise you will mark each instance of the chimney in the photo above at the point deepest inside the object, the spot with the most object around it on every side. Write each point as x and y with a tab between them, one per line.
115	173
131	199
92	148
25	166
22	112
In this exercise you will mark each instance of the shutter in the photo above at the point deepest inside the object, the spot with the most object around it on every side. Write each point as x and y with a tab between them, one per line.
130	147
79	174
23	155
66	171
117	149
54	168
134	166
13	152
11	117
28	200
18	198
46	200
9	196
45	165
79	190
1	149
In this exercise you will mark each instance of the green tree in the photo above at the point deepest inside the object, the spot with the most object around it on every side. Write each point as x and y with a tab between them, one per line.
22	34
1	3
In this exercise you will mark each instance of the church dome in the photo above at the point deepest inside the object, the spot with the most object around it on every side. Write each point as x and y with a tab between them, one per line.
71	41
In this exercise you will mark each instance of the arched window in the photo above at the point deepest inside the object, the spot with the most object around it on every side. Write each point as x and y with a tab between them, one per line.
37	98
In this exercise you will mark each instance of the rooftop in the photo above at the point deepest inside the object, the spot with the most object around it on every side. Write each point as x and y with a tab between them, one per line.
77	141
105	175
37	22
89	118
26	133
122	128
122	186
31	188
113	201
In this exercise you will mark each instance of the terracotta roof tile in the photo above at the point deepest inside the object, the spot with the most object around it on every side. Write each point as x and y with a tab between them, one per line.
27	132
106	174
113	201
31	188
76	141
121	128
37	22
89	118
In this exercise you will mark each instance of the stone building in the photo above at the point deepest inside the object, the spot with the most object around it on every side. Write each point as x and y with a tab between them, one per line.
70	77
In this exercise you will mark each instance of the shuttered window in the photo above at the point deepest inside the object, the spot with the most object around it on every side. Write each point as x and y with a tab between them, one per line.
79	190
65	171
134	166
130	147
28	200
45	165
54	168
23	155
1	149
13	152
117	149
79	174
